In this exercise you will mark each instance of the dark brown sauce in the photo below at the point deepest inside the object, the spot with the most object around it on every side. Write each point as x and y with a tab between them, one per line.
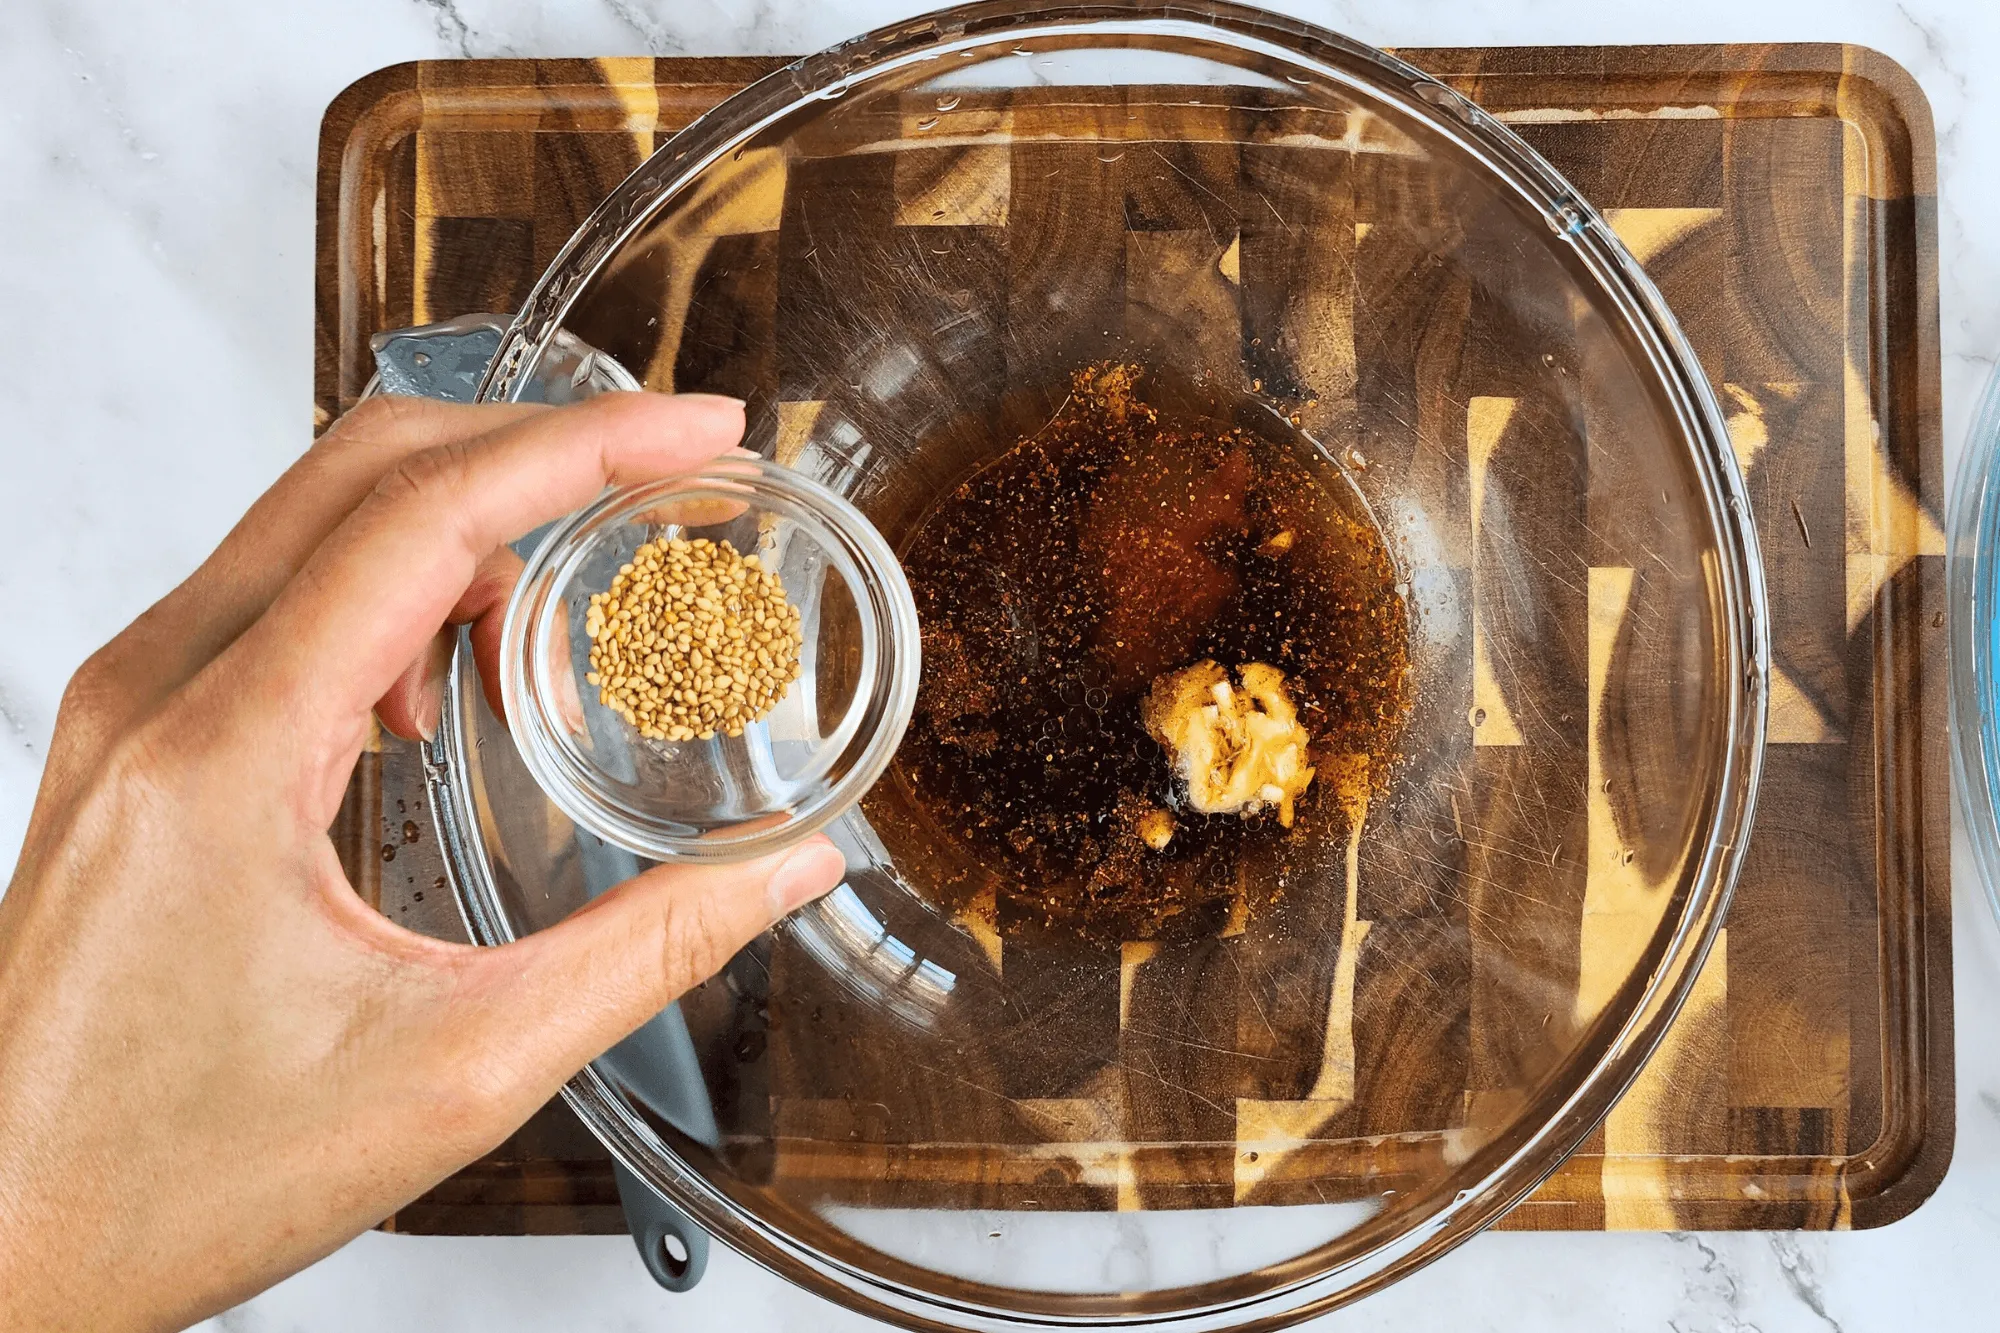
1120	541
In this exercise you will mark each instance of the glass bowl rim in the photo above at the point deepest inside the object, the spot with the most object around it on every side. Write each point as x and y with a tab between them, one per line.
1972	585
1602	1065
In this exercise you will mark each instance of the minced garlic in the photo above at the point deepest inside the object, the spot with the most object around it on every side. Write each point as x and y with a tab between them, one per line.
1237	749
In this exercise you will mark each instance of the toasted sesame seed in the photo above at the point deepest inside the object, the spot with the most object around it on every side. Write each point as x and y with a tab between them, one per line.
692	638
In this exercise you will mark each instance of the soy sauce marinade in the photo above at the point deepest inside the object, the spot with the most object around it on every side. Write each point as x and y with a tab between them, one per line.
1056	583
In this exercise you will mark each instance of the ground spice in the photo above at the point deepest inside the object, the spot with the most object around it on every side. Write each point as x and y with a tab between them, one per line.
1121	541
690	639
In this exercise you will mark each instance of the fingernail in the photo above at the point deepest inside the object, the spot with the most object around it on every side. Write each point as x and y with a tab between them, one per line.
429	706
807	873
716	397
435	665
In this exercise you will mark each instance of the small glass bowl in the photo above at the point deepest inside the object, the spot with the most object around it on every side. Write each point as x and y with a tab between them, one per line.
794	771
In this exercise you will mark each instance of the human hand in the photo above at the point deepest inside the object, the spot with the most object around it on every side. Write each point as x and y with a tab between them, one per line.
216	1062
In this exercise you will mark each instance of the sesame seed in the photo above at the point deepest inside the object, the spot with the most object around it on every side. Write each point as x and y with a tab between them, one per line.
692	638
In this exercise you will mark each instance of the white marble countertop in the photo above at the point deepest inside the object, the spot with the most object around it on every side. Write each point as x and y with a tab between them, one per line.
156	213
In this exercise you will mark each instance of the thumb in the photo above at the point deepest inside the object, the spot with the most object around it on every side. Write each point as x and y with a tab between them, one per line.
583	985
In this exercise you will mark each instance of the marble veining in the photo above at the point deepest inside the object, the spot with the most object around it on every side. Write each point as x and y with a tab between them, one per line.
156	194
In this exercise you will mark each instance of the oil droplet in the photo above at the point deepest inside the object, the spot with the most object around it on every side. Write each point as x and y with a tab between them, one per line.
410	830
949	102
1937	621
927	123
1355	458
422	359
1607	785
1625	857
388	851
1479	717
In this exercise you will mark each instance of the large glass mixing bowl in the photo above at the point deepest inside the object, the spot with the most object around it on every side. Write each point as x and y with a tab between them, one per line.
934	1107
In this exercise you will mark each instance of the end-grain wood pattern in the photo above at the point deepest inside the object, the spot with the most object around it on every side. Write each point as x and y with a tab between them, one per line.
1784	200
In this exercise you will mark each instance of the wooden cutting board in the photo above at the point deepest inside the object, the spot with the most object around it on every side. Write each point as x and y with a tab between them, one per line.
1783	197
